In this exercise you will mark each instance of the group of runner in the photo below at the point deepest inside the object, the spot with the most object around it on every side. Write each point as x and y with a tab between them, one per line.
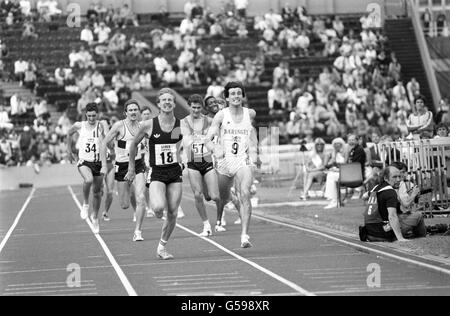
150	155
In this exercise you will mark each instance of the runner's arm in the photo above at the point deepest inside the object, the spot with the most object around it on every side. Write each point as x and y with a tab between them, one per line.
146	129
112	133
73	129
253	146
187	140
214	131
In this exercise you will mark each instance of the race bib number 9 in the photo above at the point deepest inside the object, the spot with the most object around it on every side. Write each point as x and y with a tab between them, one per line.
166	154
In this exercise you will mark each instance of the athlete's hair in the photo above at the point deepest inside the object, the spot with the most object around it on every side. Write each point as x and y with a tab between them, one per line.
232	85
420	97
207	99
386	173
164	91
131	102
92	107
195	98
145	108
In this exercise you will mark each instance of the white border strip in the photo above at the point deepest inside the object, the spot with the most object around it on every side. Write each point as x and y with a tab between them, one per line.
123	278
387	254
16	221
253	264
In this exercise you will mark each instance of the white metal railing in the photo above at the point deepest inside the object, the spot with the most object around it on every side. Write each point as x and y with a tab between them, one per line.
424	53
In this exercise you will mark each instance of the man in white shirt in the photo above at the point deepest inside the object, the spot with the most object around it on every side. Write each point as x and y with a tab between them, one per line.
214	90
161	64
102	32
169	76
87	35
111	98
398	91
97	80
25	7
20	66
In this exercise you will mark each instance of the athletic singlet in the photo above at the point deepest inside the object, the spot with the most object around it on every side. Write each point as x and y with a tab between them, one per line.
122	146
235	137
89	142
163	146
198	151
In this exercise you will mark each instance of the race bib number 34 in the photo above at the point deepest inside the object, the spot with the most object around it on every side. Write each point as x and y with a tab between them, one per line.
166	154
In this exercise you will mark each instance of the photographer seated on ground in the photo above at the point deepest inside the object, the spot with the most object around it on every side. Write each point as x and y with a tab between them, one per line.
383	218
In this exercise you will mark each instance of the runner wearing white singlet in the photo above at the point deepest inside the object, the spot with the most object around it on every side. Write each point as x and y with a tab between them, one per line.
91	133
123	133
237	144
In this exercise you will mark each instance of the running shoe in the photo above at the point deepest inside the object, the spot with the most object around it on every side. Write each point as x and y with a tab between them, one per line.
134	217
223	222
150	212
106	217
84	213
137	236
206	232
95	225
164	255
245	241
220	229
238	221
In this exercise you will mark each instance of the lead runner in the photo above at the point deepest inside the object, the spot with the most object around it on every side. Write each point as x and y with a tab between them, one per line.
234	153
165	138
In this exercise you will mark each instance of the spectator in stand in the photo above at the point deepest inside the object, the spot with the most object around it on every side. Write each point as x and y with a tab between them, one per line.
191	77
102	32
169	76
241	8
293	127
5	152
110	99
314	166
442	130
92	14
443	114
332	163
5	122
398	91
413	89
161	64
242	31
29	79
126	16
29	30
87	35
277	99
187	26
185	58
420	122
216	30
214	89
64	124
98	81
20	66
395	68
41	110
145	80
53	8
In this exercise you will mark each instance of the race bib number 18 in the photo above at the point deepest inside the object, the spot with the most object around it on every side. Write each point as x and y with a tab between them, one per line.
166	154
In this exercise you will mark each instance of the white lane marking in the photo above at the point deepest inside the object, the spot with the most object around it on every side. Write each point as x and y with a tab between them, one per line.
195	275
46	283
55	291
123	278
353	244
176	284
16	221
49	287
200	279
251	263
210	287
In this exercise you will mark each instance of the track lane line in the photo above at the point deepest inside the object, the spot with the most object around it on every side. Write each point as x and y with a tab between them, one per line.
277	277
16	221
123	278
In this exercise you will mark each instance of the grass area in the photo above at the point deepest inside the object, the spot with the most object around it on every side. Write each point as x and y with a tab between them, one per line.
345	219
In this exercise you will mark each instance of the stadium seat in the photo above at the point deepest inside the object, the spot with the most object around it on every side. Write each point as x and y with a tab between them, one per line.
350	176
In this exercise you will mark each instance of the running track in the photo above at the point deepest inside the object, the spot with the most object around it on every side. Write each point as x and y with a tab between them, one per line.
43	235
